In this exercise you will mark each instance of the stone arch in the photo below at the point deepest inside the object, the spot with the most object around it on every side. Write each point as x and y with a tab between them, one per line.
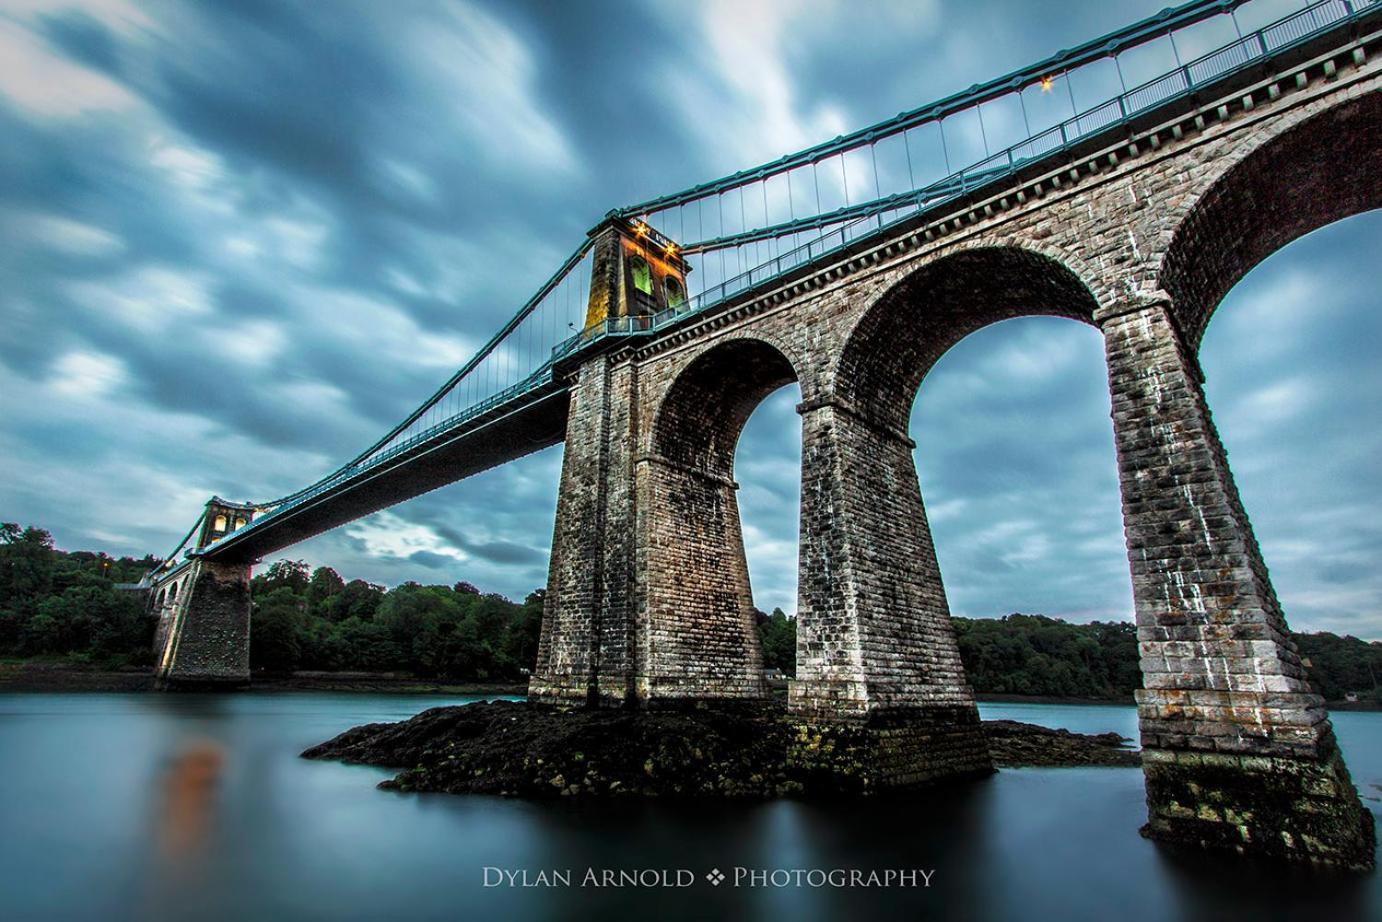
899	338
877	636
702	413
698	636
162	598
1321	169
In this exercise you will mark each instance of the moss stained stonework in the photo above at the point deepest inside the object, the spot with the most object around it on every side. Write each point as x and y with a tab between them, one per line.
1300	809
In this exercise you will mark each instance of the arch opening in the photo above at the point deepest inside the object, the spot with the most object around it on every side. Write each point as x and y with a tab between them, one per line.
676	294
1320	171
702	637
703	414
642	274
863	516
910	327
1017	464
1289	356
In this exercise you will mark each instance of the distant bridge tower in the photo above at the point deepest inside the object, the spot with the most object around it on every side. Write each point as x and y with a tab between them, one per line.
223	517
203	606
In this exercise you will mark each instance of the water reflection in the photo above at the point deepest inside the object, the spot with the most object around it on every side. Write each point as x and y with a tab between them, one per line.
181	807
189	791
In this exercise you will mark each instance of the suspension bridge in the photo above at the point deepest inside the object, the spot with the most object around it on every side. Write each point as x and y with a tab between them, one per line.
756	229
1128	184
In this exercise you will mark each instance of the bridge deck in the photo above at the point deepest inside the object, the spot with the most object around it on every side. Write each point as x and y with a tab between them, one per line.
520	427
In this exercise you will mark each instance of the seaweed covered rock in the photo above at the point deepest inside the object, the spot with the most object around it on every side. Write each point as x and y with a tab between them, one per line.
1015	745
748	750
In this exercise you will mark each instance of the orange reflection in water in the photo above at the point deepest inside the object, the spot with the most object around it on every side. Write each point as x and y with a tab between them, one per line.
188	798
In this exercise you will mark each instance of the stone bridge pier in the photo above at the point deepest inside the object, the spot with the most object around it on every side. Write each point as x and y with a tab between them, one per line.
1237	748
203	610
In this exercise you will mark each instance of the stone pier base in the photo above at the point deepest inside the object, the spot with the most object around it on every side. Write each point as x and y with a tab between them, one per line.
1301	809
897	749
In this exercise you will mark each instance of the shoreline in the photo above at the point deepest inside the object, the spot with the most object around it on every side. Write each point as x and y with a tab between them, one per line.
1004	698
32	677
22	677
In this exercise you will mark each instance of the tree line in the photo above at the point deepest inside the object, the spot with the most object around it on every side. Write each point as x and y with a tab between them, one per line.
64	605
1035	655
60	604
316	620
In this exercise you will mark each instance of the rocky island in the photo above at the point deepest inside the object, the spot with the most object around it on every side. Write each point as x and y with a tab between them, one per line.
515	748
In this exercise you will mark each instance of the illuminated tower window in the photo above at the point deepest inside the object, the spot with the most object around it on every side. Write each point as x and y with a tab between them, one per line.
676	295
642	275
239	523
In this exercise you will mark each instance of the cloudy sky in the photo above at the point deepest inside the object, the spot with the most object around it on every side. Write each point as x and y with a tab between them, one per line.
238	241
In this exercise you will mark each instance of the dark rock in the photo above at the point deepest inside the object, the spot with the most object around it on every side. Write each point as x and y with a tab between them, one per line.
523	749
1015	745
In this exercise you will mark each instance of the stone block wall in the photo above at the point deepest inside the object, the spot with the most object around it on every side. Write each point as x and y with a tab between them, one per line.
1219	668
874	629
697	635
583	647
1238	750
207	637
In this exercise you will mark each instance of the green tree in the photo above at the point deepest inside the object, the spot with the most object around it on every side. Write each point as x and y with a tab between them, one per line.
358	599
276	630
27	562
324	586
284	574
91	620
777	635
1342	666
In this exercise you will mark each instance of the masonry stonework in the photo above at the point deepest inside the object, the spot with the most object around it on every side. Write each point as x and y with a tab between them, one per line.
584	648
1238	750
204	634
1141	237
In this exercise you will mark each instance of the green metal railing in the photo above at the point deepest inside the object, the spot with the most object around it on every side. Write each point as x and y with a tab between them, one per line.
500	377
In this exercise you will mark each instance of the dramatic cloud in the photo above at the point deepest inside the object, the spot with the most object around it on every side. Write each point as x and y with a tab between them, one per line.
238	241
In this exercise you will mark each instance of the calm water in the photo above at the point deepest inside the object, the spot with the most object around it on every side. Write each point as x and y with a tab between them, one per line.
172	807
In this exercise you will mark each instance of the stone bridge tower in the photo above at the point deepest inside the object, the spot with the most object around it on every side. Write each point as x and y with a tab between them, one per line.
203	607
637	272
